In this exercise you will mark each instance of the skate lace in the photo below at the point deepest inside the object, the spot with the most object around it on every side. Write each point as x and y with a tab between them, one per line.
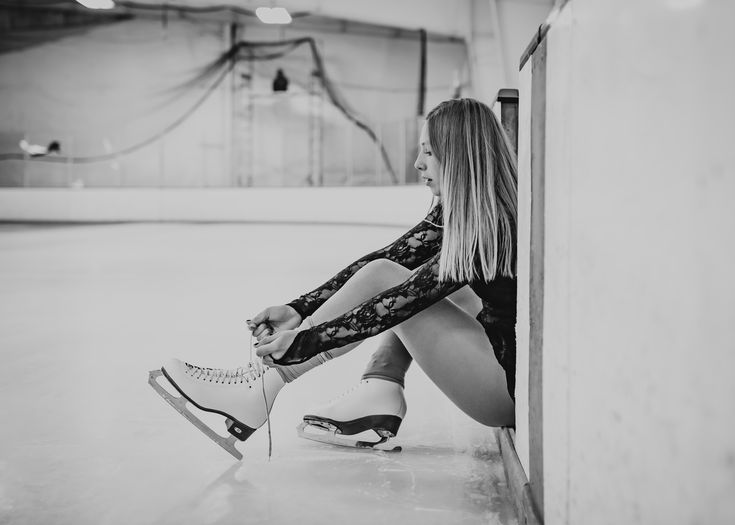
227	376
263	368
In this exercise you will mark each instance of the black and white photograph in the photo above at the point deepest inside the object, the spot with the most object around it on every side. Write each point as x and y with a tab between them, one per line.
428	262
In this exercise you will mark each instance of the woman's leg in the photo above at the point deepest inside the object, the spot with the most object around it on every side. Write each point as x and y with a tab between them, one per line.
391	360
452	349
445	340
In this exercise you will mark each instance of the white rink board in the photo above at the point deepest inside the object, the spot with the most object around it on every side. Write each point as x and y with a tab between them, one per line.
88	310
394	205
639	289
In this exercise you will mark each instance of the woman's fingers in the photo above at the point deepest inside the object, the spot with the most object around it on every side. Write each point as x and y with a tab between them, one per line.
272	344
261	317
263	330
269	341
264	350
255	321
260	324
266	339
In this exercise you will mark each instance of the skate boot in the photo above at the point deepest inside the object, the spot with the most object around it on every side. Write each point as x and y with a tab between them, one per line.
374	405
244	396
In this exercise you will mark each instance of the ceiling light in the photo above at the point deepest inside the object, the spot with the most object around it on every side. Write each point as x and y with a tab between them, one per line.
273	15
97	4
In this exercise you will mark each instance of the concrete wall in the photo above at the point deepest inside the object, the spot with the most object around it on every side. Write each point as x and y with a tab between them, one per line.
639	396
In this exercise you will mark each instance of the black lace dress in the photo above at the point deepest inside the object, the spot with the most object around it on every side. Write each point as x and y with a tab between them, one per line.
418	249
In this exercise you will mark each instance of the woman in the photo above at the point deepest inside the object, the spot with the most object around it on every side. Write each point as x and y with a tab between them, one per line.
466	244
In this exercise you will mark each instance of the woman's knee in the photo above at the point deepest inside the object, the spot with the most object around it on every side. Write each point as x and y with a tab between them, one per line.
498	412
384	273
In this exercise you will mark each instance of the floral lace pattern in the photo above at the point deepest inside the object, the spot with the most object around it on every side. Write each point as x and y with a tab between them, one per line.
410	250
385	310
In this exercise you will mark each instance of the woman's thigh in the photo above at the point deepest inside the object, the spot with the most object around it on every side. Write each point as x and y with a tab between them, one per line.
467	300
454	351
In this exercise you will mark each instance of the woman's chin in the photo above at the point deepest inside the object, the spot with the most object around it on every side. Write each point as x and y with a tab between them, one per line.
433	188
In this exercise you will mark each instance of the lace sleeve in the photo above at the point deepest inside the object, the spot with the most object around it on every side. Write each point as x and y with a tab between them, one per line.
410	250
376	315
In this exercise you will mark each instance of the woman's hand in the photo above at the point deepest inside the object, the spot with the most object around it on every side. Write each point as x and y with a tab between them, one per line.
271	347
274	319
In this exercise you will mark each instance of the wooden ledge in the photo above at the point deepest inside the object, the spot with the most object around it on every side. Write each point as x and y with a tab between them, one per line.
520	490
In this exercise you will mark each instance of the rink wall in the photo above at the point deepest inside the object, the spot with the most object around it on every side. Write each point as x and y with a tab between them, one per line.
627	162
395	205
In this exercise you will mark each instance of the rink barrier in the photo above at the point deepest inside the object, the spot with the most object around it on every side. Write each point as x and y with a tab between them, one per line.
393	206
520	488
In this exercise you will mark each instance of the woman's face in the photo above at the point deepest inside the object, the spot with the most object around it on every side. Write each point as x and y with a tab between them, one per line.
427	163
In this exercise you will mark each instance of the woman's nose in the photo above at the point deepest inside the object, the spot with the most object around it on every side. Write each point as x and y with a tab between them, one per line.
418	164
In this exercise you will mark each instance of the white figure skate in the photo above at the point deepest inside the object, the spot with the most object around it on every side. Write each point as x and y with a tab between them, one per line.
374	405
244	396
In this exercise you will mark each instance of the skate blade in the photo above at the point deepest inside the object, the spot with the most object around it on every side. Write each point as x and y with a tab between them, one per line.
179	404
321	435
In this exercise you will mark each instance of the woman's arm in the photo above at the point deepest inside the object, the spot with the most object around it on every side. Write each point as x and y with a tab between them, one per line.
410	250
375	315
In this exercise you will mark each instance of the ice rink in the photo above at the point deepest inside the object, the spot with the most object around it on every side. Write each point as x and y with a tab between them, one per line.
87	311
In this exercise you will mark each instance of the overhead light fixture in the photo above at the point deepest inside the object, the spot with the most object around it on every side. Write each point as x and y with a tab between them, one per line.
97	4
273	15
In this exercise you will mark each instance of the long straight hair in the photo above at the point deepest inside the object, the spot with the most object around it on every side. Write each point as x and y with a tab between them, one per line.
479	191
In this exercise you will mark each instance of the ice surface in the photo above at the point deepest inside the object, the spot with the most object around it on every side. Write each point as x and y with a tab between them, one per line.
87	311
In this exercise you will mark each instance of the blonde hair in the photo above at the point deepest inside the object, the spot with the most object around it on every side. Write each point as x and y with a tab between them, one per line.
479	192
